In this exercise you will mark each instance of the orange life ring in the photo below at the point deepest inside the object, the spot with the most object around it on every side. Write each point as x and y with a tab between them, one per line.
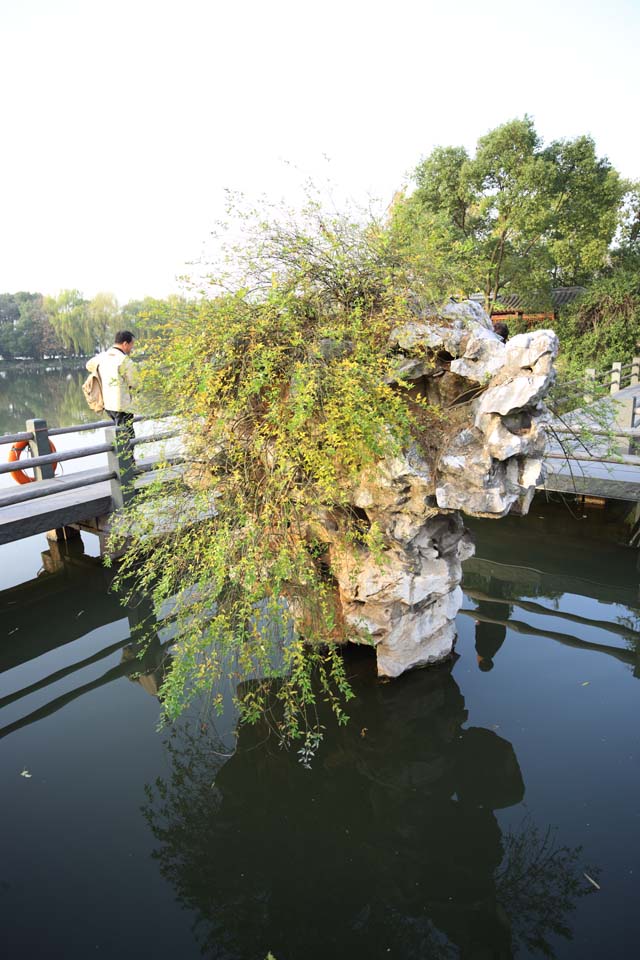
14	454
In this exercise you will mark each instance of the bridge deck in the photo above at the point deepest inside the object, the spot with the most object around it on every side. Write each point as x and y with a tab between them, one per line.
60	507
595	479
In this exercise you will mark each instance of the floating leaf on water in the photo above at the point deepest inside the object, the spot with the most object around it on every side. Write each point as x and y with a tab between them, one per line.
25	773
586	683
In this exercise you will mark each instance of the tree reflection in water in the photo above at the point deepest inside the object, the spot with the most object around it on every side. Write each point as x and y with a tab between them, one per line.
51	391
389	845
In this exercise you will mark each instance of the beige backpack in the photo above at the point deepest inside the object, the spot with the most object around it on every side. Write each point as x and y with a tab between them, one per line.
92	389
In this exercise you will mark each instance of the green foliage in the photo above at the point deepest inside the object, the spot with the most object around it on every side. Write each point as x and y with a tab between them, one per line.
35	327
103	318
603	326
282	388
516	217
70	319
25	328
147	317
628	238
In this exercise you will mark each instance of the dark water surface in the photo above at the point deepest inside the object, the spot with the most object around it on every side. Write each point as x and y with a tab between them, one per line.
460	813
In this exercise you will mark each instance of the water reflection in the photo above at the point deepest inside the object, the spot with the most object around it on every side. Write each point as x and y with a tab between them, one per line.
72	595
389	845
551	558
491	631
50	391
550	555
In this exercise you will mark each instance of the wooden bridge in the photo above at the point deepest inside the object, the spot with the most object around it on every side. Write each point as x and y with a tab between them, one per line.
83	499
604	467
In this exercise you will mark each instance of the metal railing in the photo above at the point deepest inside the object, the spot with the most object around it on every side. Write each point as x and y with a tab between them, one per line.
121	470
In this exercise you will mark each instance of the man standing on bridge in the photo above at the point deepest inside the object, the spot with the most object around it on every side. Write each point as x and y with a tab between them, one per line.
118	377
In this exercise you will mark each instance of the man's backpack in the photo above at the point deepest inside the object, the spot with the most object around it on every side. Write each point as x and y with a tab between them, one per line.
92	389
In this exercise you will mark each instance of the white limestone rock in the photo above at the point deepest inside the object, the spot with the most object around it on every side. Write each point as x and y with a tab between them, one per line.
419	639
488	467
483	470
521	436
429	333
468	312
535	351
409	368
484	356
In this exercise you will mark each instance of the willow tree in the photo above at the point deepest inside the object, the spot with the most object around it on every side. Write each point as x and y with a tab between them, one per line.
280	383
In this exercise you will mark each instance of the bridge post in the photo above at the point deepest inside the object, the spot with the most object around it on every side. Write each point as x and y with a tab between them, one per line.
589	384
624	418
616	373
121	461
39	447
635	372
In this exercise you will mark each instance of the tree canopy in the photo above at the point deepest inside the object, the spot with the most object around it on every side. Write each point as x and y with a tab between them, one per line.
516	217
34	326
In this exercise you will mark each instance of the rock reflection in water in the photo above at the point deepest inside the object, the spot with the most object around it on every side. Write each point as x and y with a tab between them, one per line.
389	845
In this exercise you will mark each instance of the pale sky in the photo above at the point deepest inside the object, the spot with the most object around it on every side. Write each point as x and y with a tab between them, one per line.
125	120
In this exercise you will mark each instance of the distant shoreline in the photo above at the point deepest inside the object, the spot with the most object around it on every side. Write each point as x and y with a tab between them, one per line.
47	362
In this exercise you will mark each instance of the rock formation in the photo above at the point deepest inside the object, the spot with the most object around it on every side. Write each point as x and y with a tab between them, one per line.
486	462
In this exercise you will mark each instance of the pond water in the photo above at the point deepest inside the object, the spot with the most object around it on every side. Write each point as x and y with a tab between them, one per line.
487	808
47	389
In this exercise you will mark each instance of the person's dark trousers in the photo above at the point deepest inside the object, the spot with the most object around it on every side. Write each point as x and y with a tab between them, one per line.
124	433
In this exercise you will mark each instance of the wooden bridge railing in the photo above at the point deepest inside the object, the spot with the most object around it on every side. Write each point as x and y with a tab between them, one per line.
121	470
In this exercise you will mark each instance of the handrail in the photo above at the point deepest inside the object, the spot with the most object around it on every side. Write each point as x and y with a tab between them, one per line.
120	472
80	428
622	432
16	437
625	371
627	461
149	467
74	428
76	454
34	491
156	438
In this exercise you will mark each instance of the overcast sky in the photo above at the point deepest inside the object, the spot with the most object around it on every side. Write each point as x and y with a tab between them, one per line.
124	121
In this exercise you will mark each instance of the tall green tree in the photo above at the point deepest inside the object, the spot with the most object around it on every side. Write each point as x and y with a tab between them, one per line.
103	317
628	245
35	336
9	317
25	329
69	317
517	216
